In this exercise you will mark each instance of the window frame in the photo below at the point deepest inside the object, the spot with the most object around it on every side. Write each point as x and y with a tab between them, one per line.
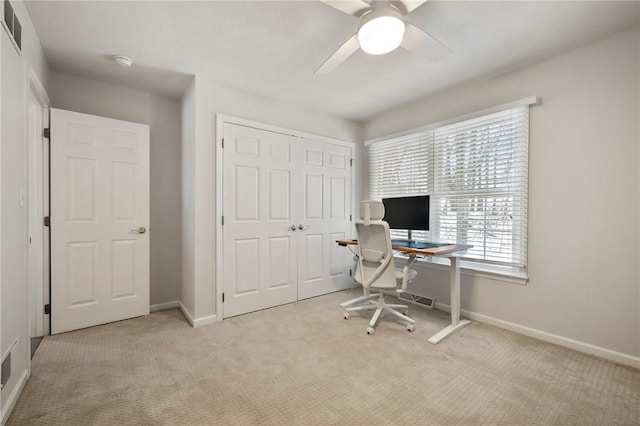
497	270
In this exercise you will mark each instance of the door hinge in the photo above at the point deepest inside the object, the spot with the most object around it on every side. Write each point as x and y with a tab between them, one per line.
47	309
222	143
350	272
222	297
350	218
47	221
351	162
46	133
222	220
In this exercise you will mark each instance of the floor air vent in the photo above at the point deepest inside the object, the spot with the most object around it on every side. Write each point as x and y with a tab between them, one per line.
429	302
6	371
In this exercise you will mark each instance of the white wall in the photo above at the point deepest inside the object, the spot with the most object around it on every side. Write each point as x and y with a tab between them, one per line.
162	114
212	98
14	314
583	195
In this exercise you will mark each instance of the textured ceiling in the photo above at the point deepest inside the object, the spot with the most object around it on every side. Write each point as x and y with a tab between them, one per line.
273	48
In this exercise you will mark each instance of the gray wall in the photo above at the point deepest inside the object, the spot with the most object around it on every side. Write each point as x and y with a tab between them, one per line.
15	70
163	115
583	196
211	98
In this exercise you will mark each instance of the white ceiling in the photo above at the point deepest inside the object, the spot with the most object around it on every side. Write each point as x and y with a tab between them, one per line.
273	48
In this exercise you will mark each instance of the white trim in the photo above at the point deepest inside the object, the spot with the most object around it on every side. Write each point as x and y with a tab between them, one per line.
38	89
224	118
15	394
209	319
604	353
531	100
186	313
3	420
219	134
220	120
162	306
35	212
42	298
197	322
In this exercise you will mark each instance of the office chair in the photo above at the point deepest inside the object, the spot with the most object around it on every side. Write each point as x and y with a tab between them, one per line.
376	269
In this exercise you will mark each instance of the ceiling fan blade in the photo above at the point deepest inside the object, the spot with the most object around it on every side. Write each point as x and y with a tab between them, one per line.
406	6
340	55
419	42
350	7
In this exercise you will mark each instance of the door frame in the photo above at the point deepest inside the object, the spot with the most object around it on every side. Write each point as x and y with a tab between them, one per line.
39	248
221	119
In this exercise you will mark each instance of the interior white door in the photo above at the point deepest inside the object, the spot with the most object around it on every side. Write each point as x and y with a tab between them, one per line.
99	220
325	177
259	245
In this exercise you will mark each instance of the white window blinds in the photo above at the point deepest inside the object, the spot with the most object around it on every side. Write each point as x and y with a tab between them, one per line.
476	172
400	167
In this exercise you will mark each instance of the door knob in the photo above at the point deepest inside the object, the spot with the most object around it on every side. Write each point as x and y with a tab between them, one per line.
140	230
303	227
292	228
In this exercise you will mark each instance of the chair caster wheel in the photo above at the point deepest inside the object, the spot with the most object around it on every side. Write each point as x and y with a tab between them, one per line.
370	331
411	327
347	315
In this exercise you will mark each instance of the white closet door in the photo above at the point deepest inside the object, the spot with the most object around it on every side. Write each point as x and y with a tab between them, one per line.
325	175
99	218
274	185
260	249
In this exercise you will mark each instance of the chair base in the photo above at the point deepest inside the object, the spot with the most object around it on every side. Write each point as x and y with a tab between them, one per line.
376	301
356	301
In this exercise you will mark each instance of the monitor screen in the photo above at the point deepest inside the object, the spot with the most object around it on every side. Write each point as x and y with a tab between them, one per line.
407	212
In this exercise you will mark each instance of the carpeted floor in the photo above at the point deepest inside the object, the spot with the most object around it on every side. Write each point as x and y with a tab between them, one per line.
303	364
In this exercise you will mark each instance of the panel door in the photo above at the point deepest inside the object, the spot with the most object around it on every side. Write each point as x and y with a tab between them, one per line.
325	200
99	201
259	245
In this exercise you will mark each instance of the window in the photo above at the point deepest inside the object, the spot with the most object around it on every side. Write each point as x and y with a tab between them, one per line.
476	172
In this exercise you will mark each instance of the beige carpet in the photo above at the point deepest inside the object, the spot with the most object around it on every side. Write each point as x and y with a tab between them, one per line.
303	364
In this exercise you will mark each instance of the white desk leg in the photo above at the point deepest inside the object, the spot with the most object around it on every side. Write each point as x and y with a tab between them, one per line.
456	323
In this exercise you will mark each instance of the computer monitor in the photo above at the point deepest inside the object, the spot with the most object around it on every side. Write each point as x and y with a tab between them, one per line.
410	213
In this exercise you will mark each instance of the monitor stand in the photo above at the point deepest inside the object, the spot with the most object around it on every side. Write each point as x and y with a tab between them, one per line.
409	242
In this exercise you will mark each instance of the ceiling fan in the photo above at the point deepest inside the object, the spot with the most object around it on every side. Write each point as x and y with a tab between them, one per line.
382	29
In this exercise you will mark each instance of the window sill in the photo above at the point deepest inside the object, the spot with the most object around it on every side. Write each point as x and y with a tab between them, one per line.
475	269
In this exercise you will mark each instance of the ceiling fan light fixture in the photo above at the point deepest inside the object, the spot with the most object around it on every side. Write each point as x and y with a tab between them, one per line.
381	31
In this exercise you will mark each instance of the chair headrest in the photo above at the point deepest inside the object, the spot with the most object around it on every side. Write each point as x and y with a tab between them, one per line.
371	210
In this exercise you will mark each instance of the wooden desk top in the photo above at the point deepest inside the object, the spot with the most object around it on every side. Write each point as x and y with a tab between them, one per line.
443	250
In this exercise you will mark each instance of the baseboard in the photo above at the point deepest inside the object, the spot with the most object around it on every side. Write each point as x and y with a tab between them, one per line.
163	306
186	313
197	322
583	347
210	319
13	398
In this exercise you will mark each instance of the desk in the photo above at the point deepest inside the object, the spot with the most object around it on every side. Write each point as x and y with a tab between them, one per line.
452	252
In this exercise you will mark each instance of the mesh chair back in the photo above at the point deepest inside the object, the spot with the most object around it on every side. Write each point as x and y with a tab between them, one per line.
376	268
